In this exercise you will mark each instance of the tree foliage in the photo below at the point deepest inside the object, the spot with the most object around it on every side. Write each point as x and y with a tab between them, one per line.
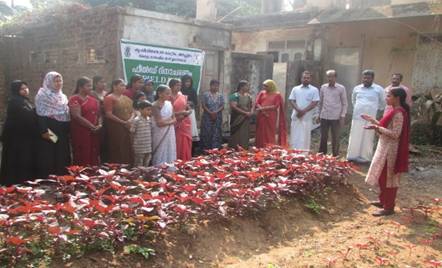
40	4
186	8
7	12
246	7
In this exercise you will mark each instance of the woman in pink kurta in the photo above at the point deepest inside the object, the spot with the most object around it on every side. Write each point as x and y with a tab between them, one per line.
85	112
183	126
391	157
270	120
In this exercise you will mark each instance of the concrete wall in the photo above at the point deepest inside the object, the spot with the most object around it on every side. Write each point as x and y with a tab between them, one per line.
322	4
253	42
63	43
271	6
168	30
386	46
206	10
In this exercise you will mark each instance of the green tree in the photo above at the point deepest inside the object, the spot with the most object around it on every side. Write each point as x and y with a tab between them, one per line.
7	12
186	8
244	7
40	4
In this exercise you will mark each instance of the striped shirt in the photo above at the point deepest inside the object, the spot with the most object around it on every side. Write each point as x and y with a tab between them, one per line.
142	143
333	104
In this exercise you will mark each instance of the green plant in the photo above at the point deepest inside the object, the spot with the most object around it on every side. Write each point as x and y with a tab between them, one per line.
313	206
432	227
136	249
130	233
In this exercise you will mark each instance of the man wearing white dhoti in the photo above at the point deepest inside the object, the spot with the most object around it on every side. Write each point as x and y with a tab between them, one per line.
367	98
303	98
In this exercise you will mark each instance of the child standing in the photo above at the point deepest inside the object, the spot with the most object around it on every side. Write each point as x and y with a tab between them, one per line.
142	129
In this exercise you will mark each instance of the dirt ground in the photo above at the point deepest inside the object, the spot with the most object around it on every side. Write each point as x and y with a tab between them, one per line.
342	234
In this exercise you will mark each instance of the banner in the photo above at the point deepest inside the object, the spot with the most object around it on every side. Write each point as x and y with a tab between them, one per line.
161	64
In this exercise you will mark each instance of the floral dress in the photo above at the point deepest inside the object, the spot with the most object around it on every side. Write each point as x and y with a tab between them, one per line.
211	130
386	153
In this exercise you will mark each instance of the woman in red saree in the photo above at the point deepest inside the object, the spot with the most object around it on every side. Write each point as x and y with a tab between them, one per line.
391	157
183	126
85	112
270	120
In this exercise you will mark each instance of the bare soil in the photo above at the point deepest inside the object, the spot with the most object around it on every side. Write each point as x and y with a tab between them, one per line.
342	234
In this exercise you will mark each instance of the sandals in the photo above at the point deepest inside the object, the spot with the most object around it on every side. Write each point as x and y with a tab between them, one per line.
383	212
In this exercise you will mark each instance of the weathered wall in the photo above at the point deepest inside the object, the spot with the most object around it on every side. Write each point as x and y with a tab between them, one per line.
271	6
253	68
168	30
63	43
206	10
427	68
386	46
253	42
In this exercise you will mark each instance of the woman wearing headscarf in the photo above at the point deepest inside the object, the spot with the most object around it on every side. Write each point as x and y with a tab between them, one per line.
192	98
19	137
53	120
270	120
85	124
391	157
241	107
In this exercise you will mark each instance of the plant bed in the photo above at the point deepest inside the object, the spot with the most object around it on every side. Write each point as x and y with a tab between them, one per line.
109	207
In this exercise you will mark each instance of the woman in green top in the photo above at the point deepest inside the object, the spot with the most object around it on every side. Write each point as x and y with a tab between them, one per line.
241	106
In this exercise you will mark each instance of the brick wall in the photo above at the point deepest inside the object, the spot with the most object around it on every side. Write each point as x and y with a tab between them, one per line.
63	43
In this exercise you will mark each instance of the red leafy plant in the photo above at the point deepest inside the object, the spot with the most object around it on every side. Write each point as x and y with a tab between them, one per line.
100	207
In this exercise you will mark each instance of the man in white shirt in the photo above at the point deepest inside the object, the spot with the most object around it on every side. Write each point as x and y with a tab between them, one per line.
303	99
367	98
396	81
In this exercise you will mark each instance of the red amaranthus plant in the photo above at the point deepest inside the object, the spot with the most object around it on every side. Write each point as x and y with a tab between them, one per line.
111	203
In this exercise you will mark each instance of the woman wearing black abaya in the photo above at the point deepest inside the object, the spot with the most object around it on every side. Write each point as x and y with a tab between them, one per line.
51	105
19	137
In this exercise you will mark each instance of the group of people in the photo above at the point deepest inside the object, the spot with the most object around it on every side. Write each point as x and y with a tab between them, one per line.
391	157
138	125
132	124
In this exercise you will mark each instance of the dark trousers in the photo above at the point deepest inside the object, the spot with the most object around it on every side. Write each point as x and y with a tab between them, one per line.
326	125
387	196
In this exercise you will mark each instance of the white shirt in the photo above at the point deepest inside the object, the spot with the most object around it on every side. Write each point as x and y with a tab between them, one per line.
367	100
304	96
